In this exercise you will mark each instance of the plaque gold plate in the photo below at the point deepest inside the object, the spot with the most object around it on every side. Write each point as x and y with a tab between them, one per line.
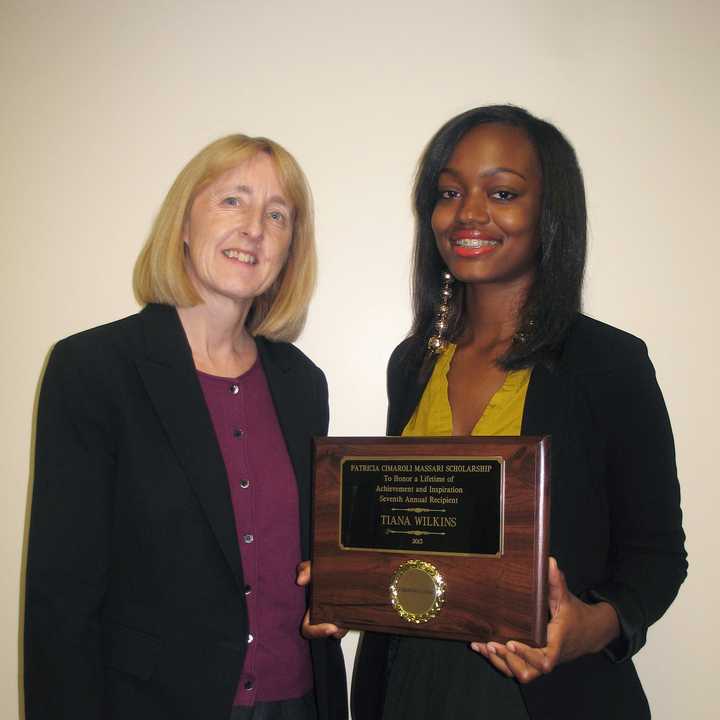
417	591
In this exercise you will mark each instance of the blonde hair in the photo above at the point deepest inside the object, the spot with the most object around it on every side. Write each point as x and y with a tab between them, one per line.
160	274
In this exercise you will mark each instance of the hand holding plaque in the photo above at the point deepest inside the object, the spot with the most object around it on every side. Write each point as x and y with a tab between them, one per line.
308	630
444	537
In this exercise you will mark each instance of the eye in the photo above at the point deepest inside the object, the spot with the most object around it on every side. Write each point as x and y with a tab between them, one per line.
504	195
276	216
449	194
232	201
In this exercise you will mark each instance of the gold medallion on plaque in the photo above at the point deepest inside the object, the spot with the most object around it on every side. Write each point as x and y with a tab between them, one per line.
417	591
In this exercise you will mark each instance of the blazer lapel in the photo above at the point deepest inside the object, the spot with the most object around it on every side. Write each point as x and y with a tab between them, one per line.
541	415
170	379
546	408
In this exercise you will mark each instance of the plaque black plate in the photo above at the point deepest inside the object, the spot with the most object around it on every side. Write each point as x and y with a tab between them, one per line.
410	504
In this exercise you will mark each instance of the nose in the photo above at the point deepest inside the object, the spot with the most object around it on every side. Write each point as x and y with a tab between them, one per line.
253	223
474	208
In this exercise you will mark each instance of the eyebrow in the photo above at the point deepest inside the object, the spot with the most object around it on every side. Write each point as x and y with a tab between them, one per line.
277	199
488	173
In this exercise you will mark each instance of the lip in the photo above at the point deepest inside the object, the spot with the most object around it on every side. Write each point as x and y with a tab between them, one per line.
473	243
473	235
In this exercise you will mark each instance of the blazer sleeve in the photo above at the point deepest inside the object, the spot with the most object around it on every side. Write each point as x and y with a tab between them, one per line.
647	554
329	666
403	385
321	395
67	570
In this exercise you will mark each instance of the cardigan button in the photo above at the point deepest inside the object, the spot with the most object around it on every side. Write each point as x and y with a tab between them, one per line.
244	483
234	389
248	538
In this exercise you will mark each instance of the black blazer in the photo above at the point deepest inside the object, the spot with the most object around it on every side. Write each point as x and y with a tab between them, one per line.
135	606
616	524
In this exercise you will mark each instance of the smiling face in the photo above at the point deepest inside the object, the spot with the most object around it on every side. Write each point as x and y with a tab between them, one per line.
238	233
488	204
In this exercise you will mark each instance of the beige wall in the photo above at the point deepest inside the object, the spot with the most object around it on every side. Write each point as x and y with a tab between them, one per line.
103	102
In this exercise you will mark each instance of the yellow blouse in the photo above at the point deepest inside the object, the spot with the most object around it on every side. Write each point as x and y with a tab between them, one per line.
502	416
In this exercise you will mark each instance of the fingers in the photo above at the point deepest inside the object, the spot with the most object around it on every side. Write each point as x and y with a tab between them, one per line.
500	658
511	663
515	660
480	647
303	573
494	653
534	658
525	663
523	671
321	630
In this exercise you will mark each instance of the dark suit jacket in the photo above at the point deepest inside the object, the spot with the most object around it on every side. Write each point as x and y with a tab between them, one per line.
615	513
135	604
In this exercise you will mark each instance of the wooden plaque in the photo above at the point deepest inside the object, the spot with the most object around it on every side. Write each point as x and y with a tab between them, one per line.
439	537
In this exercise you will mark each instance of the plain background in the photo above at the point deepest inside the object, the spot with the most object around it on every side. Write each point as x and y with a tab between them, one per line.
102	104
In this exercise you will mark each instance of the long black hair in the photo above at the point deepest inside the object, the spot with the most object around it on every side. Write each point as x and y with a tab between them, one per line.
555	296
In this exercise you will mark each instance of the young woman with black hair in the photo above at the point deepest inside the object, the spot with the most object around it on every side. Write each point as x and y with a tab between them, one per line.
499	347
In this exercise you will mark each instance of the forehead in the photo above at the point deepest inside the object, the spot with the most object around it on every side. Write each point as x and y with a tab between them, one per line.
493	145
257	173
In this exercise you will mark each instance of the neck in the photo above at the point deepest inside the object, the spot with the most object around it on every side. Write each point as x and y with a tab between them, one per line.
219	341
492	313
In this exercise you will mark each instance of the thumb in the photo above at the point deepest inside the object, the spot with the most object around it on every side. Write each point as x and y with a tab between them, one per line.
557	589
303	573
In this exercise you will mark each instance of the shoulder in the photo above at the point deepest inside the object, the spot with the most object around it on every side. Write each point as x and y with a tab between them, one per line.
406	356
404	366
97	346
90	373
407	373
592	346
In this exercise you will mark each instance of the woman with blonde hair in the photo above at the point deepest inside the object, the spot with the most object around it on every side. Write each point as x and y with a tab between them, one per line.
172	475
